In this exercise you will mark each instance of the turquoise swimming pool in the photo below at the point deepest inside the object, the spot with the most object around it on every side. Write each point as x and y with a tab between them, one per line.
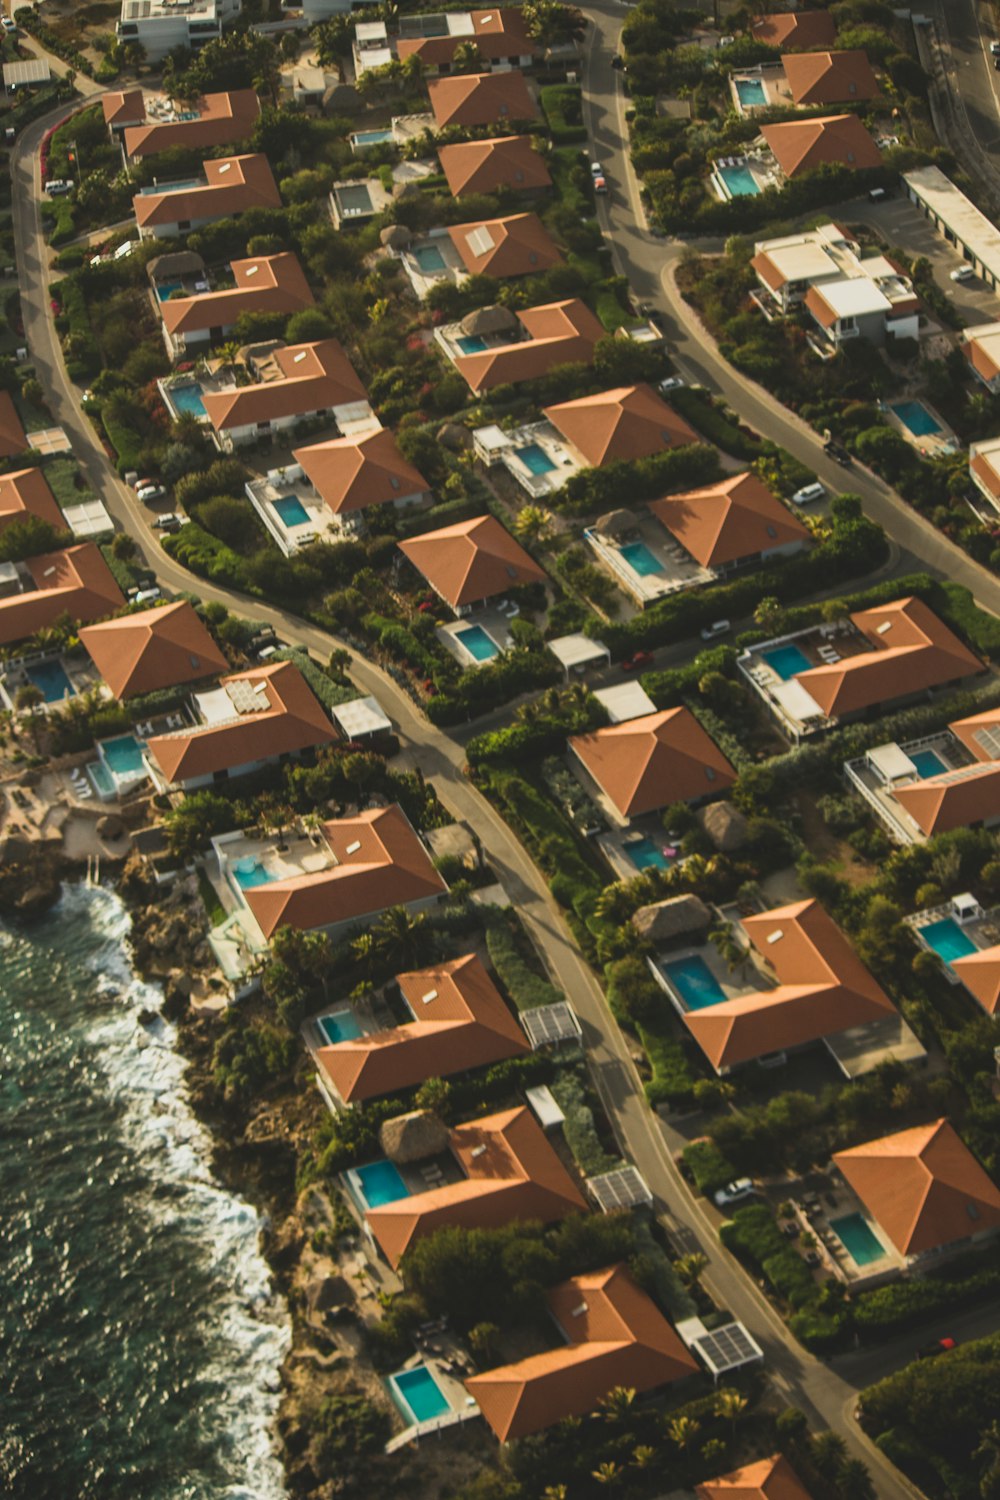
478	644
947	939
123	757
640	558
694	982
249	873
739	181
535	458
418	1395
646	855
166	289
429	258
379	1183
339	1026
472	344
187	398
371	137
855	1234
291	511
928	763
915	416
750	92
51	680
787	661
172	187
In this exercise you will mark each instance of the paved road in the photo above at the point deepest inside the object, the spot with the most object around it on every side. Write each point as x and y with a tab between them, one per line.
965	29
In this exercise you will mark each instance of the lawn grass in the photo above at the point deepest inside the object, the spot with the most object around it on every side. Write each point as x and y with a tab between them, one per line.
63	475
210	899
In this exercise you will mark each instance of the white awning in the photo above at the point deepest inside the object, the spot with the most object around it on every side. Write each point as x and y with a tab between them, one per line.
891	763
16	75
629	700
578	651
795	701
544	1104
360	717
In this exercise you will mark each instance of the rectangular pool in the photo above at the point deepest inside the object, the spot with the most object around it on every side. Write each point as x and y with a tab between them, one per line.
478	644
535	458
429	258
646	855
173	187
947	939
166	289
250	873
339	1026
378	1183
354	200
102	779
927	763
694	982
787	661
123	756
187	398
418	1395
915	416
371	137
51	680
640	558
291	511
472	344
740	181
856	1235
750	92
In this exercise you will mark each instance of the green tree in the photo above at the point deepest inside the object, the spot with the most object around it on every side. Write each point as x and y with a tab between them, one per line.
691	1267
434	1094
730	1405
770	615
682	1431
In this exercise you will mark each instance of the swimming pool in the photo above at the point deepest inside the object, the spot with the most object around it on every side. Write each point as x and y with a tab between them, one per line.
355	199
927	763
646	855
478	644
694	982
739	181
418	1395
429	258
51	680
291	511
915	416
535	458
166	289
172	187
947	939
187	398
640	559
378	1183
371	137
787	661
750	92
856	1235
123	757
472	344
340	1026
249	873
103	781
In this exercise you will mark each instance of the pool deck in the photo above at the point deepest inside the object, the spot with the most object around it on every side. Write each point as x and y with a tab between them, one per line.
263	491
983	930
492	620
421	280
813	1214
614	846
747	978
878	793
931	444
679	569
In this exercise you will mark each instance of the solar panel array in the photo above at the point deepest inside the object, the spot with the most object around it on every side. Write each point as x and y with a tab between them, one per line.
548	1024
625	1187
727	1348
990	740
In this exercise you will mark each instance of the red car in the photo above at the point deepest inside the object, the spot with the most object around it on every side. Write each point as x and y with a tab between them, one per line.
55	306
637	661
939	1346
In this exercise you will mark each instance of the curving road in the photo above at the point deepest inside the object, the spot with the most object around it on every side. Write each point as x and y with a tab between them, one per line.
825	1394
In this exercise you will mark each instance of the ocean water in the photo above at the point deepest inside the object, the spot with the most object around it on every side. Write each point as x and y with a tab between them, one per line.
141	1339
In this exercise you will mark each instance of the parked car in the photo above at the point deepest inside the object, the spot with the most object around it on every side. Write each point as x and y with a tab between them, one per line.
58	186
808	493
672	383
717	627
617	62
838	452
600	185
737	1191
596	170
995	48
638	661
151	492
7	23
939	1346
170	522
962	273
143	484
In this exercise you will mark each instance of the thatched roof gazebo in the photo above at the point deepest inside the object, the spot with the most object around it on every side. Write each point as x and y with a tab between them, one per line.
395	237
454	436
663	920
725	825
413	1137
615	523
488	320
174	263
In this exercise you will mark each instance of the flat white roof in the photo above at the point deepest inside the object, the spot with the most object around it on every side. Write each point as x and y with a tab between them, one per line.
573	650
801	262
370	31
797	702
854	297
495	437
892	762
971	228
987	336
989	449
360	717
629	700
88	518
544	1104
16	75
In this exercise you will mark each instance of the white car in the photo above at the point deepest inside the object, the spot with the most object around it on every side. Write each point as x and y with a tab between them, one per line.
962	273
717	627
995	48
672	383
150	492
808	493
58	186
596	170
7	23
736	1191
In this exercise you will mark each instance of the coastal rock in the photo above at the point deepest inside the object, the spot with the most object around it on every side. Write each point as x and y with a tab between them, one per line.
176	994
110	827
30	878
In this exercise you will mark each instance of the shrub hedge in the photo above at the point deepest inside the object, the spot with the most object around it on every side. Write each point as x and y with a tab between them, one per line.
526	989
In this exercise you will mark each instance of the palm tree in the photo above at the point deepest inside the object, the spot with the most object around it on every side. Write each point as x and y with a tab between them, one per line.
401	940
690	1267
729	949
828	1452
682	1431
617	1403
769	614
533	524
609	1474
854	1481
644	1456
555	1492
730	1405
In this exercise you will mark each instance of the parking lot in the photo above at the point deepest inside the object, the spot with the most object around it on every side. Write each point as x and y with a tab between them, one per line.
902	224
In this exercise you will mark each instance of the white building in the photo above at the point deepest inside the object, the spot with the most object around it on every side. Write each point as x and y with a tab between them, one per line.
162	25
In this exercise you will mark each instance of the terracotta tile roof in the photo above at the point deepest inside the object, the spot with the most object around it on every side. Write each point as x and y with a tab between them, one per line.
821	310
129	105
75	582
232	185
644	764
914	650
823	988
265	284
472	560
518	245
483	166
511	1173
955	799
153	649
461	1021
559	333
27	493
982	466
975	733
981	347
289	718
627	423
830	77
222	118
980	973
481	99
12	436
922	1186
498	34
724	522
768	271
802	145
314	377
769	1479
798	29
615	1336
380	863
350	473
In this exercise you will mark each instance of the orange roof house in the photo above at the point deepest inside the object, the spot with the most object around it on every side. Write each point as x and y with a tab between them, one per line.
75	582
471	561
27	493
558	333
265	284
221	119
980	734
644	764
483	166
981	347
272	711
232	185
498	35
980	973
460	1021
124	108
768	1479
801	30
511	1173
923	1186
729	522
12	435
953	799
153	649
351	473
518	245
835	140
914	650
627	423
306	378
823	988
481	99
829	77
615	1336
379	862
